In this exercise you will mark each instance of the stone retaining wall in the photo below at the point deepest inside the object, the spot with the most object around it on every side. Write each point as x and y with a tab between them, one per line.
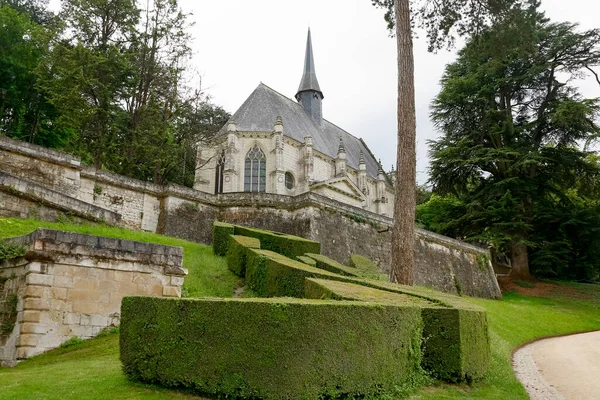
69	284
187	213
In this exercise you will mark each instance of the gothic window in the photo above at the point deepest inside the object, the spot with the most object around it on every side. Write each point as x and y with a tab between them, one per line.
255	171
219	173
289	180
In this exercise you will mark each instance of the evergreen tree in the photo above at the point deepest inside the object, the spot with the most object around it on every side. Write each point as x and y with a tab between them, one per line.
512	122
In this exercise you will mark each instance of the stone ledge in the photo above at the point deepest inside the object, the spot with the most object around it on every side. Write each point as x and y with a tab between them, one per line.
35	192
47	244
39	152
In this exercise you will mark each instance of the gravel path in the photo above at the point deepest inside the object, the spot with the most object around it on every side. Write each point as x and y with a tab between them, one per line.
563	368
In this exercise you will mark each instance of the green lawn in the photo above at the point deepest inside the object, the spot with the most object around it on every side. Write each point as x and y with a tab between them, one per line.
91	370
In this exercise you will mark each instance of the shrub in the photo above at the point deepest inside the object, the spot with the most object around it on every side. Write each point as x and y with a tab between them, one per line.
236	253
10	250
455	333
307	261
287	245
220	240
269	274
285	349
330	265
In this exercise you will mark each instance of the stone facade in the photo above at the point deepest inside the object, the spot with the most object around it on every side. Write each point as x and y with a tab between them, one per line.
69	284
187	213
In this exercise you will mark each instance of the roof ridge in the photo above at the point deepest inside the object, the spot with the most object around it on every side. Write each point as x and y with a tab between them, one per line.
300	105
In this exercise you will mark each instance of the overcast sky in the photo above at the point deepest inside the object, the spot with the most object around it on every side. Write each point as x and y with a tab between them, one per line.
240	43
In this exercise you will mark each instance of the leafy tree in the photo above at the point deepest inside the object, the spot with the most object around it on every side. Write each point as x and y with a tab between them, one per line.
442	20
512	122
36	10
25	112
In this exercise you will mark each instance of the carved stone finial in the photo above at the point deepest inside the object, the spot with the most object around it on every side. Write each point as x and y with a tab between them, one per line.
361	158
341	148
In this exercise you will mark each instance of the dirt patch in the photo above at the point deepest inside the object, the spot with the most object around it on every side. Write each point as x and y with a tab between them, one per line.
588	292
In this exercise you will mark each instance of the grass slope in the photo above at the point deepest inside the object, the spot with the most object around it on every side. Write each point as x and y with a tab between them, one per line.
208	274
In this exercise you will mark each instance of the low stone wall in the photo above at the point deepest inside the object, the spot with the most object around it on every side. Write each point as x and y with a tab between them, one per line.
69	284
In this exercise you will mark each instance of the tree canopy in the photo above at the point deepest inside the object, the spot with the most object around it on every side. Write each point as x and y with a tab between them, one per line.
513	125
105	80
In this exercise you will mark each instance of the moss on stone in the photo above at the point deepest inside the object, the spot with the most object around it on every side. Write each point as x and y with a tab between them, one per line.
237	251
284	349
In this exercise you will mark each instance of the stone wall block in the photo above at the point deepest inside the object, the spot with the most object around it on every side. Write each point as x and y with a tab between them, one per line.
34	291
30	327
71	318
63	281
35	304
85	307
30	316
176	280
171	291
28	340
39	279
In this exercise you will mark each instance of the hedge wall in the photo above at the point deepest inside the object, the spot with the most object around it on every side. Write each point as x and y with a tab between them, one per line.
236	253
269	274
456	344
287	245
220	240
326	263
284	349
307	260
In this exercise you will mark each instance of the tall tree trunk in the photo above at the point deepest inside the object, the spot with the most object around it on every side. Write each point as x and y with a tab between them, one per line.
519	262
403	234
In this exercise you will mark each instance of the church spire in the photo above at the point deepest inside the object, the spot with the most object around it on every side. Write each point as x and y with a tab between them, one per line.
309	93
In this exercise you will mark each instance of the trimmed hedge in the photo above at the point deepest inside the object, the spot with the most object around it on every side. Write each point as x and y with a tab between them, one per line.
335	290
285	348
326	263
220	239
236	253
456	344
367	268
287	245
307	260
269	274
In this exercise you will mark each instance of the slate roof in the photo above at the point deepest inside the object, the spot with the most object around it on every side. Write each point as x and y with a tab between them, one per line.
258	114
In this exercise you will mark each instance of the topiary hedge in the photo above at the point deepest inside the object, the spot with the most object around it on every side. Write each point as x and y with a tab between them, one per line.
307	260
284	349
287	245
367	268
269	274
456	343
236	253
220	239
326	263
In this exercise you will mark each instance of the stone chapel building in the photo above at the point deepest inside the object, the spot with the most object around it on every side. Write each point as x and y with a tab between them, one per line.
273	144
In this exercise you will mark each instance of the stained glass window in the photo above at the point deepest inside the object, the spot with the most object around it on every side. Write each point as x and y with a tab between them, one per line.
255	171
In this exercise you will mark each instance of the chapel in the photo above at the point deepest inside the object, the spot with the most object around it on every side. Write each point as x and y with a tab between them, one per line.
274	144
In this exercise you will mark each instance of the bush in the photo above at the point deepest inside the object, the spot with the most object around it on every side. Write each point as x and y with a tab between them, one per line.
236	253
287	245
307	261
455	333
285	348
269	274
220	240
330	265
10	250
